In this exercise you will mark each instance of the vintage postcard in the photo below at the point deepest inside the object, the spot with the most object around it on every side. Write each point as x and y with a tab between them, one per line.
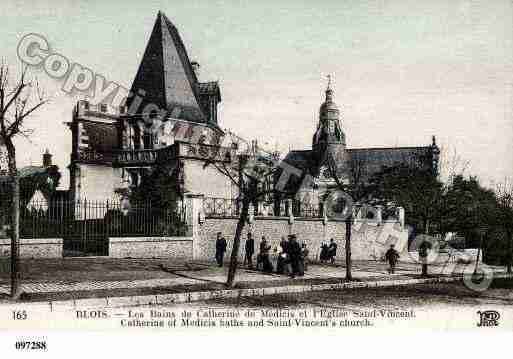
255	166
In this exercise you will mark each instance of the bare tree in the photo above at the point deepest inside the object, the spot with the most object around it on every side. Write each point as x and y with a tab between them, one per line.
17	102
249	173
350	177
451	165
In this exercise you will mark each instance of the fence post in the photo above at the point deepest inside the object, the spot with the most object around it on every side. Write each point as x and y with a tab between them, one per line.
379	215
400	215
290	213
107	225
193	207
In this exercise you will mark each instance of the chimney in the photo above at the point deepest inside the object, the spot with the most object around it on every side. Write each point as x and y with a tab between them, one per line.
196	67
47	159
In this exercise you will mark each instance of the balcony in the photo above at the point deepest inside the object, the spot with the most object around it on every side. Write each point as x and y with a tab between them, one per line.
94	157
135	158
138	158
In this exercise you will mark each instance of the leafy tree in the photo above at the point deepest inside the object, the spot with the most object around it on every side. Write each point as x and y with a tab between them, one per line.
468	208
504	195
415	189
160	189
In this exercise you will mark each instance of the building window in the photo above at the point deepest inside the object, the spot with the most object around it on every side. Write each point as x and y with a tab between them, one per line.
137	138
147	141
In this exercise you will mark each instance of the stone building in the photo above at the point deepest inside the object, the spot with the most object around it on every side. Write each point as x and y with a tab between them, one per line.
170	122
329	153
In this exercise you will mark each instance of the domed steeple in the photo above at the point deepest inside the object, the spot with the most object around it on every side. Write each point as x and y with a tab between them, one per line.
329	109
329	130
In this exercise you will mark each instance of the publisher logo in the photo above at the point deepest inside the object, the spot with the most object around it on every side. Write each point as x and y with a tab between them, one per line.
488	318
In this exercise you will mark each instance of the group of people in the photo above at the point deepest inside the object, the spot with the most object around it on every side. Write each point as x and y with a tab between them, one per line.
328	252
292	257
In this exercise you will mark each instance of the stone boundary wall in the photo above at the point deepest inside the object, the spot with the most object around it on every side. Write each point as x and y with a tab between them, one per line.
151	247
464	256
369	240
34	247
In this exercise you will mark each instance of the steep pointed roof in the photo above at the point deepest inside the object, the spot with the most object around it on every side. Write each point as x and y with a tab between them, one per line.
166	75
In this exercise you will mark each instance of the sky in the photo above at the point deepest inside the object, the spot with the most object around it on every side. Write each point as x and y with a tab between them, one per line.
402	70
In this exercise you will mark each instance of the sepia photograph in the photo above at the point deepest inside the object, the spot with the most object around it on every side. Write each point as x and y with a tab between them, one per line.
255	167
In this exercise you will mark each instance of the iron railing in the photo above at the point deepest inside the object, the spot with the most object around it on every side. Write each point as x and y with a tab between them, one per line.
220	207
305	209
136	157
64	219
223	207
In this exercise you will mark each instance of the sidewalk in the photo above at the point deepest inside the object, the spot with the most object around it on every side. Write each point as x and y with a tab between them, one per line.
81	278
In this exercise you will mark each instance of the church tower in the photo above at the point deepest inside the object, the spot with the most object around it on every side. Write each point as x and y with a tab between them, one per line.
329	136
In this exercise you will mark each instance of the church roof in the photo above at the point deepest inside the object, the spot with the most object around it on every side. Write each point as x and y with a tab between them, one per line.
372	160
375	159
300	159
166	75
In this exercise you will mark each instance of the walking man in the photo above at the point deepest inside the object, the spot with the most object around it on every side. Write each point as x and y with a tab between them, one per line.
264	256
423	249
304	256
294	255
391	256
249	250
220	249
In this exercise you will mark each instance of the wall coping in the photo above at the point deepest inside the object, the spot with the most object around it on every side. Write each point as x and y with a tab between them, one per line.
33	241
306	219
149	239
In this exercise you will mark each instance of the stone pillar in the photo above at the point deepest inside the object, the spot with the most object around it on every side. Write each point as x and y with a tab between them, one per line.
356	212
290	214
251	213
193	208
324	219
379	215
400	216
282	208
288	207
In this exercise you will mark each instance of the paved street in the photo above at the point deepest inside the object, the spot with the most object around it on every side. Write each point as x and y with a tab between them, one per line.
90	274
412	296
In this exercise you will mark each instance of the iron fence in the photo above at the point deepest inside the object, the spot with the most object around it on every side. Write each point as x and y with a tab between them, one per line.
40	219
220	207
306	209
86	226
224	207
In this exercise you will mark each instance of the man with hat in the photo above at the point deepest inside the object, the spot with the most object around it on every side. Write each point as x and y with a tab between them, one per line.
220	249
391	256
294	255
